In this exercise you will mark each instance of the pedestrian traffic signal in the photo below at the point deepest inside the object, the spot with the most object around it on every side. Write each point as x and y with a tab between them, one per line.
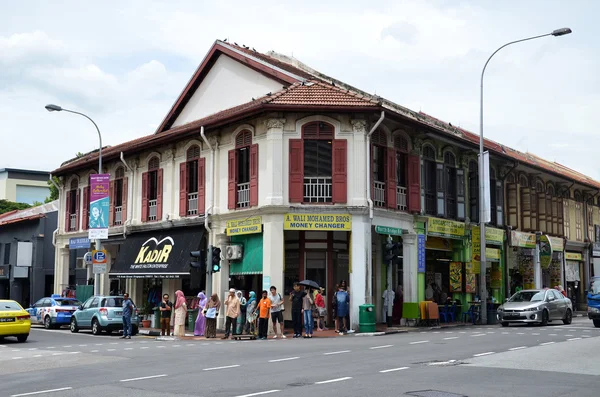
216	259
198	260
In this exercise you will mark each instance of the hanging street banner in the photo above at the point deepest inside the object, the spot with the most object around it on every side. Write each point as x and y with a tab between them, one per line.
99	206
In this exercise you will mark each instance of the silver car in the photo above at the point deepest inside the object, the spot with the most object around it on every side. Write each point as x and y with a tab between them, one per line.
536	306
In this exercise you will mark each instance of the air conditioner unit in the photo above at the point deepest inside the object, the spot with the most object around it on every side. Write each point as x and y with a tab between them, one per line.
233	252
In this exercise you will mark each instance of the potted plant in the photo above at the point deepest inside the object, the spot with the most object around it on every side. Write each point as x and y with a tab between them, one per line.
146	314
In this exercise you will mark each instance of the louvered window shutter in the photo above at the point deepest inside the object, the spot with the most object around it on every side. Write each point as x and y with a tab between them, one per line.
391	178
231	180
183	199
499	194
541	196
159	194
201	186
85	209
460	193
254	175
296	171
440	190
414	183
144	197
526	208
124	199
513	210
340	171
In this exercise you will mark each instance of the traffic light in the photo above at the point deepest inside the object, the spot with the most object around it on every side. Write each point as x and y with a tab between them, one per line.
216	259
392	250
198	260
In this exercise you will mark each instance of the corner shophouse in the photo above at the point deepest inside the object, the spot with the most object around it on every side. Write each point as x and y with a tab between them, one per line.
285	176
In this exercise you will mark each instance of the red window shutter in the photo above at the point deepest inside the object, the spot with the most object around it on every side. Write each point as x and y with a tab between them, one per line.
159	193
67	209
414	182
77	210
124	199
201	186
85	209
391	178
296	177
232	180
145	197
111	205
254	175
183	189
340	171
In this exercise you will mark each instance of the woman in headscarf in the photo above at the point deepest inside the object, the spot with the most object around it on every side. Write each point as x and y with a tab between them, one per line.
249	326
201	320
180	313
398	303
211	315
241	318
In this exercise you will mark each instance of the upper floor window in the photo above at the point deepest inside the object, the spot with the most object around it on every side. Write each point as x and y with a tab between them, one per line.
72	206
378	167
552	212
429	180
474	191
496	198
318	166
152	190
402	175
542	209
118	198
512	198
451	185
192	183
243	172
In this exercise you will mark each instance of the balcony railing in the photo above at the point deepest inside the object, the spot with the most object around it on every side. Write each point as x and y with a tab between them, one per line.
192	204
379	194
243	195
152	209
401	198
72	222
317	190
118	216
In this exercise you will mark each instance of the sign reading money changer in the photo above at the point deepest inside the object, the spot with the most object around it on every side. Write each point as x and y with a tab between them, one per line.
244	226
324	222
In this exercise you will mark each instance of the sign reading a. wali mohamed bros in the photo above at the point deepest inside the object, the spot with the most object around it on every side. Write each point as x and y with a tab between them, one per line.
324	222
250	225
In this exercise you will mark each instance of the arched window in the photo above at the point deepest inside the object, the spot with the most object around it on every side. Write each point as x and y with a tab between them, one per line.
401	143
193	152
379	169
119	173
578	196
74	184
191	183
523	181
429	183
72	207
153	163
243	139
510	178
450	184
317	138
152	182
428	152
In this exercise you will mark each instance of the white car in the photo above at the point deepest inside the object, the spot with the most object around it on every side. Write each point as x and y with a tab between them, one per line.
53	312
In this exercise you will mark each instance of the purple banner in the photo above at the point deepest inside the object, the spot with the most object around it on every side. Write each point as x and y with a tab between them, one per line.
99	200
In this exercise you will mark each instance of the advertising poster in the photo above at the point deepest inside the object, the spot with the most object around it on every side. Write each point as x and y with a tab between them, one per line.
99	206
455	276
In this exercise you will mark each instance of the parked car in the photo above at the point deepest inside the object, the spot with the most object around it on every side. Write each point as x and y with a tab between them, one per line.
53	311
14	320
536	306
102	313
593	301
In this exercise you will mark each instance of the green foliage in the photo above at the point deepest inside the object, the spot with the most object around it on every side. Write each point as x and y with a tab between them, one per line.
53	190
7	206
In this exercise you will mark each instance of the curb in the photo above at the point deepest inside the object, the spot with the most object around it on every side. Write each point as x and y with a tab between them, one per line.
148	332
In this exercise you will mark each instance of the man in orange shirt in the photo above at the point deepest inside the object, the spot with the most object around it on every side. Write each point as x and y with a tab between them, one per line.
264	307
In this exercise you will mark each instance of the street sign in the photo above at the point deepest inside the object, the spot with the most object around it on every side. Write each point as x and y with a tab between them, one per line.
87	258
99	261
421	253
77	243
393	231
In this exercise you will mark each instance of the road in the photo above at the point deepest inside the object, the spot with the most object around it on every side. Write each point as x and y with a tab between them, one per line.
555	360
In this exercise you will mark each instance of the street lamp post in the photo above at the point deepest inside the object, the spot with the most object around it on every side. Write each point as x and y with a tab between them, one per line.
56	108
482	181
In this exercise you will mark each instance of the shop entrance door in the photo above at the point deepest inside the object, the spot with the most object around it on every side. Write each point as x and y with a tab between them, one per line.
315	266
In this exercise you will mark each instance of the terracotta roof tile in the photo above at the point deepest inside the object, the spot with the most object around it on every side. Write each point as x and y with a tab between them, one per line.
315	93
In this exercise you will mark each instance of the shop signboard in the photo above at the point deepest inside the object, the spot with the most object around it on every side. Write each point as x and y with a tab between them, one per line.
573	256
421	253
445	228
496	277
318	222
392	231
522	240
249	225
493	236
492	254
455	276
545	252
556	243
470	284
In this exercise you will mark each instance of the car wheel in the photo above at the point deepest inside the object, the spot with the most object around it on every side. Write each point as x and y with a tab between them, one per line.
568	317
22	338
597	323
73	326
47	322
504	324
96	328
544	318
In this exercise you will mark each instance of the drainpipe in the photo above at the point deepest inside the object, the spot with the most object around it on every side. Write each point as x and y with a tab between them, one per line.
208	212
54	233
368	291
130	202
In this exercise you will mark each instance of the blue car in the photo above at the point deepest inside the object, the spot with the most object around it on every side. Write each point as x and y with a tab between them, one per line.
102	313
53	312
593	298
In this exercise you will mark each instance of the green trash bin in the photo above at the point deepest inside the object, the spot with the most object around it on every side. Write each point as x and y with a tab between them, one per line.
366	318
192	316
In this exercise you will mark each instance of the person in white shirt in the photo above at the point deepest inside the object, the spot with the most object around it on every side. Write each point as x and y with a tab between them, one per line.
276	311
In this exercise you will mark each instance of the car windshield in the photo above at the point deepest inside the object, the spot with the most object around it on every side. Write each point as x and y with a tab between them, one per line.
112	302
68	302
9	307
528	296
595	286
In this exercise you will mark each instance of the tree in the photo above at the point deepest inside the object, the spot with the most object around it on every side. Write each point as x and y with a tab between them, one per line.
53	190
7	206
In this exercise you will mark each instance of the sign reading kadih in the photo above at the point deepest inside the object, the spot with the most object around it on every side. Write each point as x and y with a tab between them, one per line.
322	222
238	227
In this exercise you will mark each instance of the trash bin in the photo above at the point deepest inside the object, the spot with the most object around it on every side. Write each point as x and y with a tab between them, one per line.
366	318
192	316
156	318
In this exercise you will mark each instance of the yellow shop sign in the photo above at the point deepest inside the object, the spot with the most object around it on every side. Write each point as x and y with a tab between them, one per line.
492	236
445	228
523	240
573	256
323	222
250	225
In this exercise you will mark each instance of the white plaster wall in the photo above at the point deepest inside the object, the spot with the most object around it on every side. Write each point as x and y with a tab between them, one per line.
227	84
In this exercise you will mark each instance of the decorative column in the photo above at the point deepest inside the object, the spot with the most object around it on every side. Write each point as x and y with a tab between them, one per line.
271	182
409	282
357	167
169	189
273	257
61	269
360	276
221	279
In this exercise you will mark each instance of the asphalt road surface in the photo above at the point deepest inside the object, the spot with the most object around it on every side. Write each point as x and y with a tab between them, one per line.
555	360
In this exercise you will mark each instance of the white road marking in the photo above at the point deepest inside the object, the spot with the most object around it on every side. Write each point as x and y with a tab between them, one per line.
217	368
380	347
535	333
547	343
50	347
417	342
462	332
586	336
552	334
442	363
94	351
143	377
68	346
505	333
339	352
41	392
33	348
284	359
436	332
98	344
449	332
111	350
82	345
37	355
333	380
478	335
491	332
517	348
385	371
56	354
144	347
574	339
16	358
260	393
586	330
520	333
128	348
451	337
159	347
483	354
568	335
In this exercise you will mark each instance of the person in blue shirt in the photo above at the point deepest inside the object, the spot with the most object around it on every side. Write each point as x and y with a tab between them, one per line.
342	308
127	313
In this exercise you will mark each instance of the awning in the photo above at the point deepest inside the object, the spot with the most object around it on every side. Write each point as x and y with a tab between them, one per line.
252	259
160	254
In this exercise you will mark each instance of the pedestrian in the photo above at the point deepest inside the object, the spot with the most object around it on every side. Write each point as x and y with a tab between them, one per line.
180	314
296	297
127	313
232	312
250	326
166	309
277	309
334	310
307	309
321	310
241	319
398	305
211	312
200	326
562	290
343	303
264	306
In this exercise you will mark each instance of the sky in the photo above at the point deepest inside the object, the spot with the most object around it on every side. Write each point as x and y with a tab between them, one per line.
124	63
